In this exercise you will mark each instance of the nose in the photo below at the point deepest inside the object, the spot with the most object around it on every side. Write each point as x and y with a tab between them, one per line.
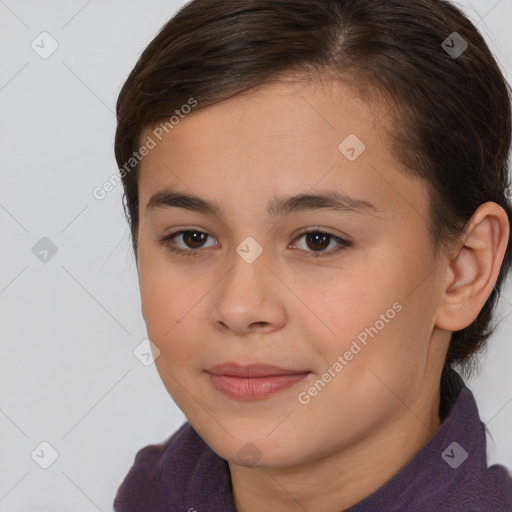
249	299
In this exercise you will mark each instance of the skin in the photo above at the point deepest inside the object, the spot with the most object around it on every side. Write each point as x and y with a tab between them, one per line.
297	312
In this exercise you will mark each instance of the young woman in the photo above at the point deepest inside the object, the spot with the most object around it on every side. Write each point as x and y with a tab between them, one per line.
317	194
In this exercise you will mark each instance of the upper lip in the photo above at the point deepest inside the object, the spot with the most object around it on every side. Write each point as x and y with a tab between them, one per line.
252	370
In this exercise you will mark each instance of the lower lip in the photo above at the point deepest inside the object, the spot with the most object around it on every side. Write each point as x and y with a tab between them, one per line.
255	388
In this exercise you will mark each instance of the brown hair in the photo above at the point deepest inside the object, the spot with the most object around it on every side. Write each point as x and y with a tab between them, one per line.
451	114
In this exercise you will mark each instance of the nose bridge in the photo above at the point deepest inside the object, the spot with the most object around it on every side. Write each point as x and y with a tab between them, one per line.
249	250
248	266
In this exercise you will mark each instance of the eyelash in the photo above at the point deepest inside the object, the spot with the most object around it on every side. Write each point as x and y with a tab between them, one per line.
343	244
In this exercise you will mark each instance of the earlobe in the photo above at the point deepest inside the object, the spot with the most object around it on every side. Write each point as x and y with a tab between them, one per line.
473	270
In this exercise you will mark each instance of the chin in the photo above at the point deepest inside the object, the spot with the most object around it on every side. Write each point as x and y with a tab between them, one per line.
248	450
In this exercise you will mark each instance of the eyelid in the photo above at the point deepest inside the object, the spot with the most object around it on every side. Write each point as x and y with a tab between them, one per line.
325	231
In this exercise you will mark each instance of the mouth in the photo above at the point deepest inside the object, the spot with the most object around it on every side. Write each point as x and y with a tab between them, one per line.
253	381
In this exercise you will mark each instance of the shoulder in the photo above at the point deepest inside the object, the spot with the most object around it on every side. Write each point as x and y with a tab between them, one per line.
464	481
491	491
496	491
450	473
469	484
162	473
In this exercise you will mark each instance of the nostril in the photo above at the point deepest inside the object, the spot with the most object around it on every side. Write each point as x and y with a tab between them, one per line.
259	324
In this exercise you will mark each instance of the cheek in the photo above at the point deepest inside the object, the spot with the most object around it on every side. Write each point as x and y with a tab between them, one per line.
170	304
370	318
165	293
342	306
169	316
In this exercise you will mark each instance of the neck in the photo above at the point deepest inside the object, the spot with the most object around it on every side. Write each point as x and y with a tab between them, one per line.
345	477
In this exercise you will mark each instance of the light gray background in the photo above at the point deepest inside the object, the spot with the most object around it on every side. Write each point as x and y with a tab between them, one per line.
69	326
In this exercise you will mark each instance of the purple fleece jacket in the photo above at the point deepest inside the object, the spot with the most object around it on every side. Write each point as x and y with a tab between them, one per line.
449	473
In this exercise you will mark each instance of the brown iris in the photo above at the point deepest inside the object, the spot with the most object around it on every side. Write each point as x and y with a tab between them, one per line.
194	239
318	239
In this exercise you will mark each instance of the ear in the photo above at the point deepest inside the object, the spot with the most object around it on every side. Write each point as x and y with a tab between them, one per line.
474	268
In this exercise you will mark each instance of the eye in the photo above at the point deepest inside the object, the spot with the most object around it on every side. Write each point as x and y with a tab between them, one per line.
192	239
317	242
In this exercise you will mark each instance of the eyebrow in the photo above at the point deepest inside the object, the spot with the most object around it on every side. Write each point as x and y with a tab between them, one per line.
277	206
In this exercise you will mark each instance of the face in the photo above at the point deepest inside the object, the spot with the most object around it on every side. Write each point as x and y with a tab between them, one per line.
337	288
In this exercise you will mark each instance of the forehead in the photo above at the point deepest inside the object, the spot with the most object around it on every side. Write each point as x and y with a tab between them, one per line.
285	137
296	110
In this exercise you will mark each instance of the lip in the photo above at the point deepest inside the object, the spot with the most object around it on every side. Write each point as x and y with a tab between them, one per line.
252	370
253	381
